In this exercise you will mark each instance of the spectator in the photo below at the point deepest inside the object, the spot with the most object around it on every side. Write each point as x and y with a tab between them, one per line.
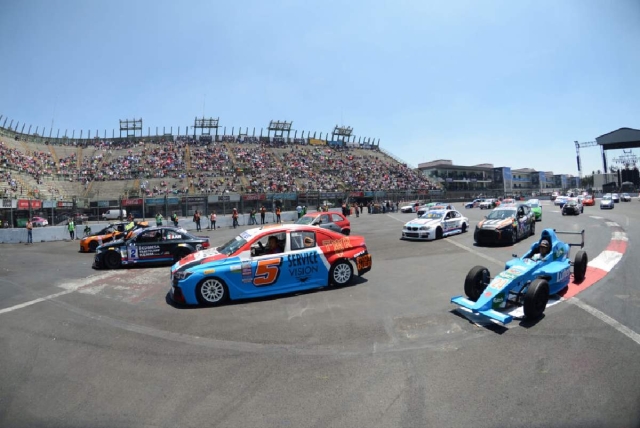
196	220
234	216
212	220
29	232
71	227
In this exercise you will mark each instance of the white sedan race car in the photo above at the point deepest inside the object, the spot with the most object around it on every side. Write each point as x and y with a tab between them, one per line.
435	225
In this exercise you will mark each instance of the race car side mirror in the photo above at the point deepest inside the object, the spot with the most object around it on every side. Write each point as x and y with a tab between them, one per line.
515	256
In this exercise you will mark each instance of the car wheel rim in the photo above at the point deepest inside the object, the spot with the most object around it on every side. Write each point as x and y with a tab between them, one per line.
341	273
212	291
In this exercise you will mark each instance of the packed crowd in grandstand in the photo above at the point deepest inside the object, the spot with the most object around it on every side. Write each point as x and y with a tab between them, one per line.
189	165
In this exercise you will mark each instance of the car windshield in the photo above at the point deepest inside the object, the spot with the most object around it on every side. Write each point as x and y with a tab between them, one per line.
606	198
501	214
432	215
533	204
305	220
570	203
232	246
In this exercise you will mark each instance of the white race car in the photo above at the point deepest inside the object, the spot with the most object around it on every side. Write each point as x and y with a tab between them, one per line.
435	225
410	208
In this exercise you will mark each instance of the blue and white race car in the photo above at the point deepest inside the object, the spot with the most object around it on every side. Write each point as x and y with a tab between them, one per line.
435	224
275	259
526	281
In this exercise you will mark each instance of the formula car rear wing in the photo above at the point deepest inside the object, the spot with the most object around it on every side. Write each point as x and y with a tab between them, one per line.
581	233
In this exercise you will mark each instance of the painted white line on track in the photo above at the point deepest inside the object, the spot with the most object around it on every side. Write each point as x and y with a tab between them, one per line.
33	302
606	260
607	319
596	217
612	224
69	287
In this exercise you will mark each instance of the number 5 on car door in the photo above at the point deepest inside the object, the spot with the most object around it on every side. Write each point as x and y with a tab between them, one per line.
267	272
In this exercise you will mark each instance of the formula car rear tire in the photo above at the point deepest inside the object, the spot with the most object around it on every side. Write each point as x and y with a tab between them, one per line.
536	298
476	281
212	291
580	266
112	260
439	233
341	273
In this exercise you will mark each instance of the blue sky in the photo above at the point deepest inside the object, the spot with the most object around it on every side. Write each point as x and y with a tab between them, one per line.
512	83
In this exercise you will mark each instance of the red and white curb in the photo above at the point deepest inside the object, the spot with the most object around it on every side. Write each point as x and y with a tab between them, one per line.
599	267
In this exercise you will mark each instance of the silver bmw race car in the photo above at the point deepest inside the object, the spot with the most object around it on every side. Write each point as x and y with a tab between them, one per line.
435	224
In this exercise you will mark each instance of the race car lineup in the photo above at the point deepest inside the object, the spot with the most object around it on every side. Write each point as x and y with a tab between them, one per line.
278	259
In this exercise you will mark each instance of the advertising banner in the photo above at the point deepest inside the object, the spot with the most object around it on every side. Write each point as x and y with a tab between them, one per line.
9	203
254	197
23	204
103	204
48	204
64	204
131	202
291	196
195	199
232	197
316	142
356	194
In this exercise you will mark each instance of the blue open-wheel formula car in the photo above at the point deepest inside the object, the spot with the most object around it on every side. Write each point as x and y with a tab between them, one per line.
527	281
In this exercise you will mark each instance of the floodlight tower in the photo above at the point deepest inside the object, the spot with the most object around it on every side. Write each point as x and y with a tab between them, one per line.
342	134
205	126
583	145
131	127
279	128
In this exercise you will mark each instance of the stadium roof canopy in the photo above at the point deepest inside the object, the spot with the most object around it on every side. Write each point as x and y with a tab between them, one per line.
623	138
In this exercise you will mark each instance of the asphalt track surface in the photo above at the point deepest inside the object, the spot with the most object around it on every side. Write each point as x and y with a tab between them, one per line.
85	348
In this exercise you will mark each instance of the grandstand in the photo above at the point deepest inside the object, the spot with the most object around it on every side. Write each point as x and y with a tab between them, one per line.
101	168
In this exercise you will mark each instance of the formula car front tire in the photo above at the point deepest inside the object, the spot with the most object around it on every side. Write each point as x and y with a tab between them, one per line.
476	281
580	266
536	298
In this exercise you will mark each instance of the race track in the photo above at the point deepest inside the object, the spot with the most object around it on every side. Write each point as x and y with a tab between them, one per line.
85	348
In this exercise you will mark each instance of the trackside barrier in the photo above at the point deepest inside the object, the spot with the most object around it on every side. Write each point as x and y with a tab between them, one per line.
61	233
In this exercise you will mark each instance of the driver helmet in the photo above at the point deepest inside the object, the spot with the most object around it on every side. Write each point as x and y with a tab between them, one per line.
545	247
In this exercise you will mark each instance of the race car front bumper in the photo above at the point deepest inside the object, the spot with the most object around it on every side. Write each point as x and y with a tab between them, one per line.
493	236
420	235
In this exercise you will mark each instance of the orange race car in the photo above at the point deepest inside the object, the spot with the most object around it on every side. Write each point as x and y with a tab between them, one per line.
112	232
589	201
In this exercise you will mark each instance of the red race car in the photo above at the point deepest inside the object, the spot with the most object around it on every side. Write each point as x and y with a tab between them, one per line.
328	220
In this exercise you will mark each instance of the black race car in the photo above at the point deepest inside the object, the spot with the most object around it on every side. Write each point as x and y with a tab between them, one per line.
572	207
506	224
154	245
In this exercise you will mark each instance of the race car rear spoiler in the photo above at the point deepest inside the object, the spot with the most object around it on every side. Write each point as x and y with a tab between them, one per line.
581	233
